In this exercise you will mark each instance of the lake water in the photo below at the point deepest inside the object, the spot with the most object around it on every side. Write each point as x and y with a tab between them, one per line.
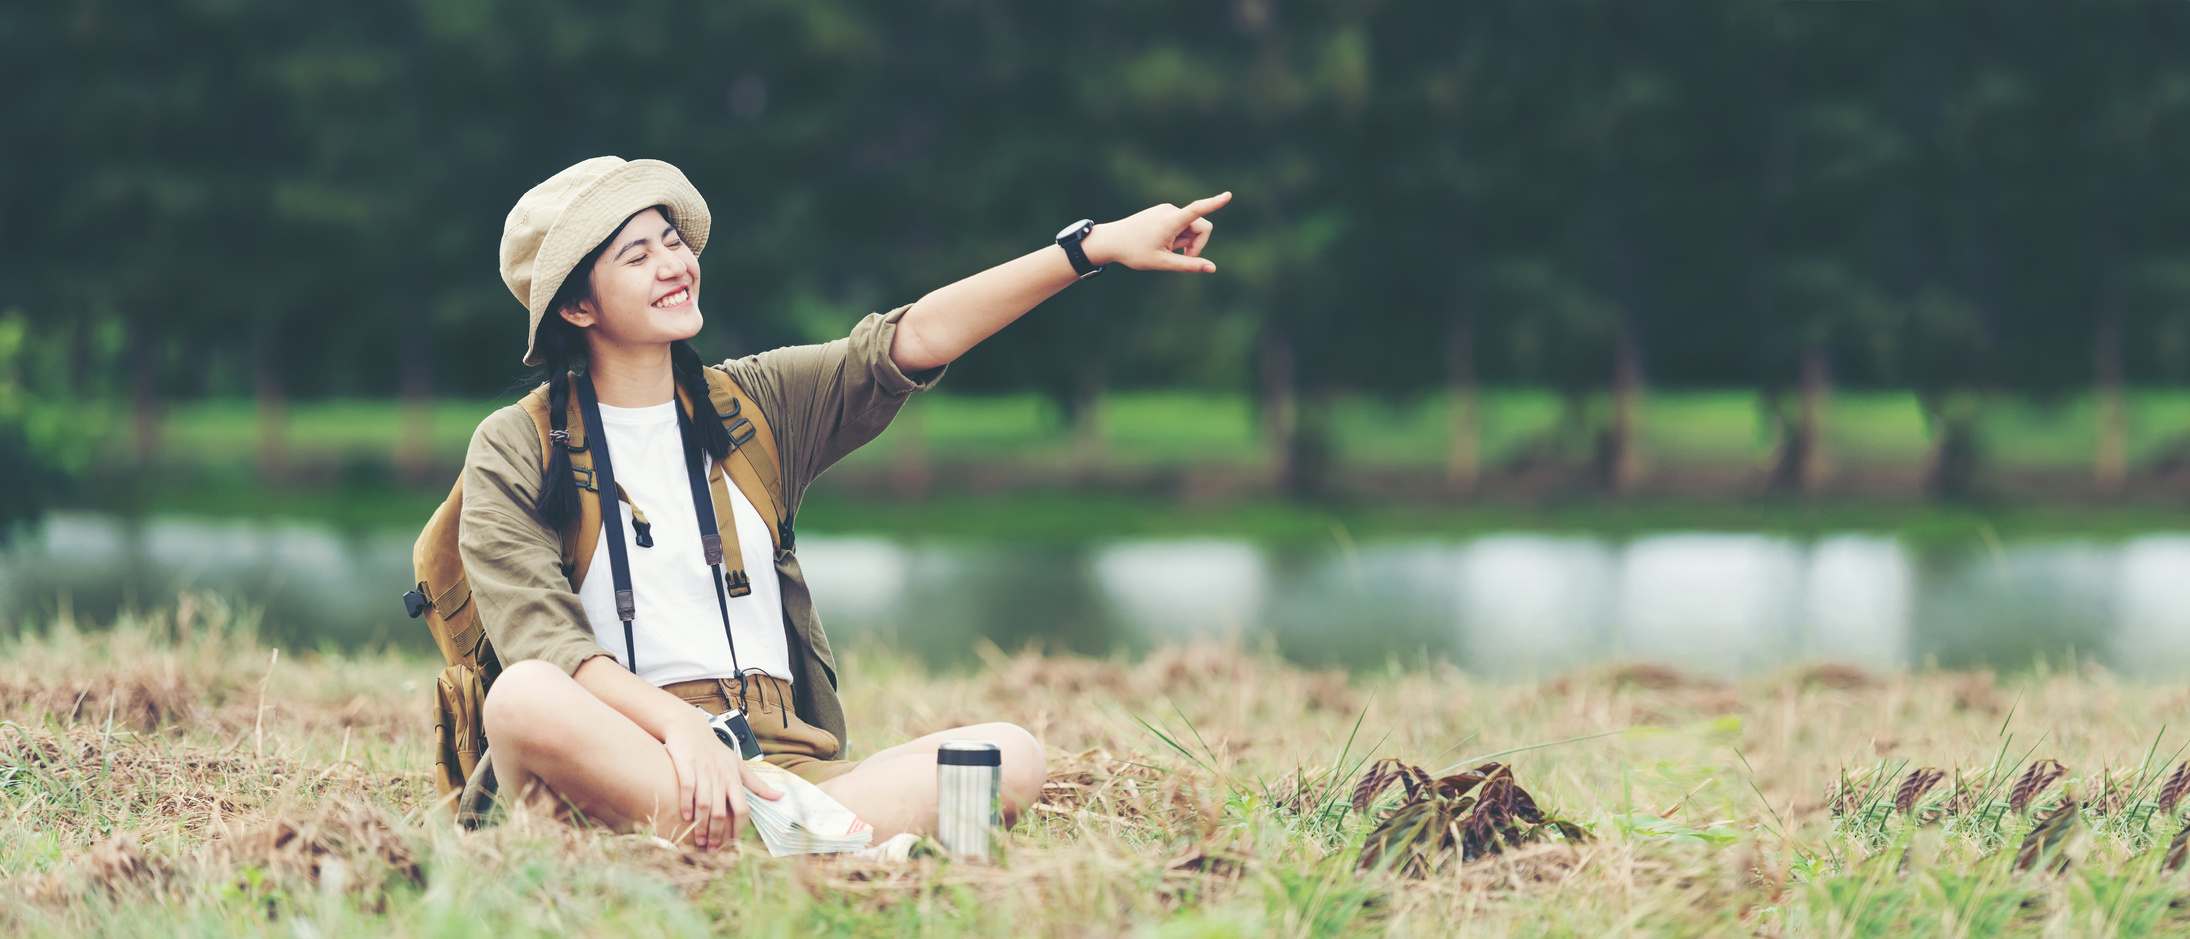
1507	605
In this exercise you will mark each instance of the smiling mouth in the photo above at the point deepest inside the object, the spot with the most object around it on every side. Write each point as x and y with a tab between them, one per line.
677	297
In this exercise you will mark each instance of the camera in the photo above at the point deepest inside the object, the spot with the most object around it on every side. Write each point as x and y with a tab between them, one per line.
734	731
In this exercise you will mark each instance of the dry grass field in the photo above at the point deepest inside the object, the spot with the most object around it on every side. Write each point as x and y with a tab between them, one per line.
170	774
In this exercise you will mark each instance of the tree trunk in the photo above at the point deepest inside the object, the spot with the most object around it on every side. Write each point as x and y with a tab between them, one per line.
273	410
1622	450
414	444
1801	463
1088	442
1312	459
1816	386
145	411
1277	400
1463	457
1951	470
2110	454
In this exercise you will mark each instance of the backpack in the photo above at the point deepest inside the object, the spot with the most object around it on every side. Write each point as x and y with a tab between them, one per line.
443	594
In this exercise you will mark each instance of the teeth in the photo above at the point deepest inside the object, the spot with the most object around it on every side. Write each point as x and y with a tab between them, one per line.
675	298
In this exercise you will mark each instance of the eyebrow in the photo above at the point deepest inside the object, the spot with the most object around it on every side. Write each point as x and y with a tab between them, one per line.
642	239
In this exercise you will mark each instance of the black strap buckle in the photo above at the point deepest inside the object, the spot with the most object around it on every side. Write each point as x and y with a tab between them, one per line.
415	602
587	483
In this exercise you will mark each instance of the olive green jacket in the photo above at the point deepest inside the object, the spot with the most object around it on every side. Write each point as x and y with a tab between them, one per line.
822	402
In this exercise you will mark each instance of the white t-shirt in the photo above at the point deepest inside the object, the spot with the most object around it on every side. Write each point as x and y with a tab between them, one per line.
677	628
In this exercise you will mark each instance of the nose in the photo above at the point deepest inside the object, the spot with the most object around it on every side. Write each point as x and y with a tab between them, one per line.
674	265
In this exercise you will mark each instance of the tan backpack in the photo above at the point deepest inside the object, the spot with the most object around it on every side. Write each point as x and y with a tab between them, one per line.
443	593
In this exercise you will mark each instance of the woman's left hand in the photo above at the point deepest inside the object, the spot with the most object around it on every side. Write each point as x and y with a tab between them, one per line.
1162	238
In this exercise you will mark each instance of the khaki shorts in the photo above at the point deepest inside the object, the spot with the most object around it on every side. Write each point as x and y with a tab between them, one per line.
785	740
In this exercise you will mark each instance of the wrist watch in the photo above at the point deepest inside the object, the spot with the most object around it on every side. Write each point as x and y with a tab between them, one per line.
1070	239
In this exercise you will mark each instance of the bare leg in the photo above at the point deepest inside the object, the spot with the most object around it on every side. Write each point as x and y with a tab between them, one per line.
894	790
543	727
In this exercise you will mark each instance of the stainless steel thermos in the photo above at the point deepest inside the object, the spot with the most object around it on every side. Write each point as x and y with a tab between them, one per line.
969	776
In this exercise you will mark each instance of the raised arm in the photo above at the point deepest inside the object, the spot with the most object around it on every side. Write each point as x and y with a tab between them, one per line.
949	320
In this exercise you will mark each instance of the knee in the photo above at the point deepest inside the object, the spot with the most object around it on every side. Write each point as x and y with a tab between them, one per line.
517	707
1025	767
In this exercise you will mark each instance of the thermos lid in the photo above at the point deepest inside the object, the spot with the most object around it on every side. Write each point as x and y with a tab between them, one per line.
968	753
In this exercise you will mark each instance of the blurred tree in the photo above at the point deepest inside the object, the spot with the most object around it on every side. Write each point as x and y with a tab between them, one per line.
1450	113
302	202
2135	99
1612	128
1818	250
1964	98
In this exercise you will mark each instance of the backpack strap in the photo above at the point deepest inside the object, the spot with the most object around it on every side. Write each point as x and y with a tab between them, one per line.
718	521
754	469
579	539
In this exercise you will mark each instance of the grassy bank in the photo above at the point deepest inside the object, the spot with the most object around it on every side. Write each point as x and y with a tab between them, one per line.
1195	428
1184	463
173	775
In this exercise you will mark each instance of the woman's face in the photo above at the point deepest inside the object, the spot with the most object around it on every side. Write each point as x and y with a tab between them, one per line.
646	286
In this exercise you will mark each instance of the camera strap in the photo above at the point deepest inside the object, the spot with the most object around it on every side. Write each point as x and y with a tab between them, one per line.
612	516
703	507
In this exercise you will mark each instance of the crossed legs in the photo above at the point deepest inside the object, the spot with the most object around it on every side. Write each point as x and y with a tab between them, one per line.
552	739
894	790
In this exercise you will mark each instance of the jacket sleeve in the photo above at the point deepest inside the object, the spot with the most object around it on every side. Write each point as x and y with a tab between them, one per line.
825	401
513	560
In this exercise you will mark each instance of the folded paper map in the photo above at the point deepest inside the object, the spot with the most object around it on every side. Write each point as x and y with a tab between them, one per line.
806	820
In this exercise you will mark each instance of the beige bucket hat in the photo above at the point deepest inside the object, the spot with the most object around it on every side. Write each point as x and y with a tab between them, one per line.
558	221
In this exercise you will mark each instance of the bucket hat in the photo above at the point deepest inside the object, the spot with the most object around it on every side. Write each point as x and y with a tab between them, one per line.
558	221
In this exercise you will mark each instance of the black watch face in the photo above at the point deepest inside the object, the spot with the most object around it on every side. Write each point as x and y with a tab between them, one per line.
1072	229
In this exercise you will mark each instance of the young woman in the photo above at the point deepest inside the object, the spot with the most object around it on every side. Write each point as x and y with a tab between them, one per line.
605	258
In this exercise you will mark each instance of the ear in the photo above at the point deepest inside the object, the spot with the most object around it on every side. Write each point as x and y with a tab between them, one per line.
581	314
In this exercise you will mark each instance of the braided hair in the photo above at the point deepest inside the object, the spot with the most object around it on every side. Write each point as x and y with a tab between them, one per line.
704	433
559	338
563	344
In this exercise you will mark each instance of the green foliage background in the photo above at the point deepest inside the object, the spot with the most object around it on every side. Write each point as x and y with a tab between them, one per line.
205	195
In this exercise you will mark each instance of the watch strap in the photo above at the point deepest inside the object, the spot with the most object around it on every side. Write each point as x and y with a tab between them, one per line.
1070	240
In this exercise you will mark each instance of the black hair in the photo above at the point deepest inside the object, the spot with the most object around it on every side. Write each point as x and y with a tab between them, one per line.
563	344
558	488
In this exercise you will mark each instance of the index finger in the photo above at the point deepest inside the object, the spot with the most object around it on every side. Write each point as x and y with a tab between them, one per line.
752	781
1201	207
